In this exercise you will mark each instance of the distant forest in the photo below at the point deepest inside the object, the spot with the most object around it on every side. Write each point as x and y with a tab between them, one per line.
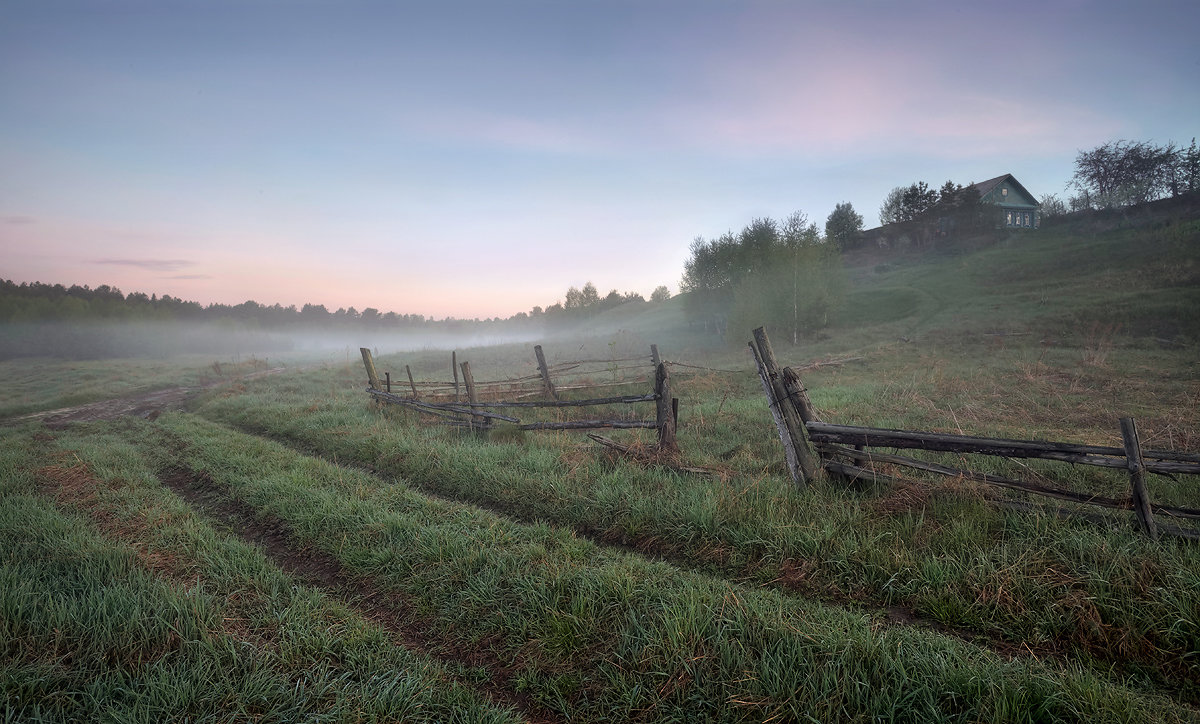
39	302
53	320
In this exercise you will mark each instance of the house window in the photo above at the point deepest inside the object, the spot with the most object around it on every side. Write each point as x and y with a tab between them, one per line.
1008	218
1026	215
1004	192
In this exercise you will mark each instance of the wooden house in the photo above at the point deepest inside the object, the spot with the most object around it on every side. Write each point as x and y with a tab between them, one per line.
1018	208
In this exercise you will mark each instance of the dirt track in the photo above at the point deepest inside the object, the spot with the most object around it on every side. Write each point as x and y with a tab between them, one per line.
147	404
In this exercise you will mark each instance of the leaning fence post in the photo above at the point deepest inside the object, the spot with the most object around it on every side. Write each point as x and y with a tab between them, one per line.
454	369
789	445
545	371
665	421
793	424
797	394
477	423
369	363
654	358
1137	474
411	384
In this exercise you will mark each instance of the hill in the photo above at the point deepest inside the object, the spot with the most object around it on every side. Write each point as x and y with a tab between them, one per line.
1131	273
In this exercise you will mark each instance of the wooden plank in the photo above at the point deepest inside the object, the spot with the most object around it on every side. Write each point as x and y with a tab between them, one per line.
798	394
600	361
665	421
369	363
1063	452
591	424
454	366
622	400
808	462
989	478
544	371
477	422
789	448
411	384
853	472
448	407
1114	503
622	383
1137	475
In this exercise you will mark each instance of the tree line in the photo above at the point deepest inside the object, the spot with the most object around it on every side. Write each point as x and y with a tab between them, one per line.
31	303
781	273
1123	173
583	303
918	201
40	302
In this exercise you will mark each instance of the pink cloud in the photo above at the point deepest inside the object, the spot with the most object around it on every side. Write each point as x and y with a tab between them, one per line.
825	93
164	265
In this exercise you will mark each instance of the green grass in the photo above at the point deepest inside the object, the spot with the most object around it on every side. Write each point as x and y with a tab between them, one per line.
598	634
1138	273
752	599
119	604
1102	596
32	385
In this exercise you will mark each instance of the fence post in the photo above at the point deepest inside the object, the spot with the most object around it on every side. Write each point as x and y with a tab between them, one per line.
797	394
387	380
411	384
789	446
654	358
369	363
665	421
792	424
1137	474
454	369
477	423
545	371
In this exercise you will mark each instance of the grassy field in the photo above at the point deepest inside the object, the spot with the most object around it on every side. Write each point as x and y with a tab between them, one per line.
284	550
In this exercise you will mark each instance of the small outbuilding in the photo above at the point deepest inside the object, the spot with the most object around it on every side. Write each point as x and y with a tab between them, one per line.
1018	207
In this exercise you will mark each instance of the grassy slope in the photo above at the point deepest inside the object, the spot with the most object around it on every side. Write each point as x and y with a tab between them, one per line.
1139	273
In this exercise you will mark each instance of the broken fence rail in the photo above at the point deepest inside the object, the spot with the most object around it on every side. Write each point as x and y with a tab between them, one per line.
842	449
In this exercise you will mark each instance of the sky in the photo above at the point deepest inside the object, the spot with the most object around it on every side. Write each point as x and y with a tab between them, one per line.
475	159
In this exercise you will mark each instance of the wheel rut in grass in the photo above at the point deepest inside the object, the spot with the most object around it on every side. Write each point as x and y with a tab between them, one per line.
392	611
141	404
792	577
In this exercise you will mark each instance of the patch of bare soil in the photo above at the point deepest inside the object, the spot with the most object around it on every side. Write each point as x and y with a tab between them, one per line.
903	497
147	404
392	611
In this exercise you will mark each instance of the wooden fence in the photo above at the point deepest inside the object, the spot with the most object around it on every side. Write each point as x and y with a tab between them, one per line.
811	446
444	399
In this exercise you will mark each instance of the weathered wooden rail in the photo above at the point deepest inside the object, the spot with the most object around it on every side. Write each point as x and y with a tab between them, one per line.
812	446
479	415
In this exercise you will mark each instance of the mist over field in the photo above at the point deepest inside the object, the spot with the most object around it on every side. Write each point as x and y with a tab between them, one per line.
154	339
